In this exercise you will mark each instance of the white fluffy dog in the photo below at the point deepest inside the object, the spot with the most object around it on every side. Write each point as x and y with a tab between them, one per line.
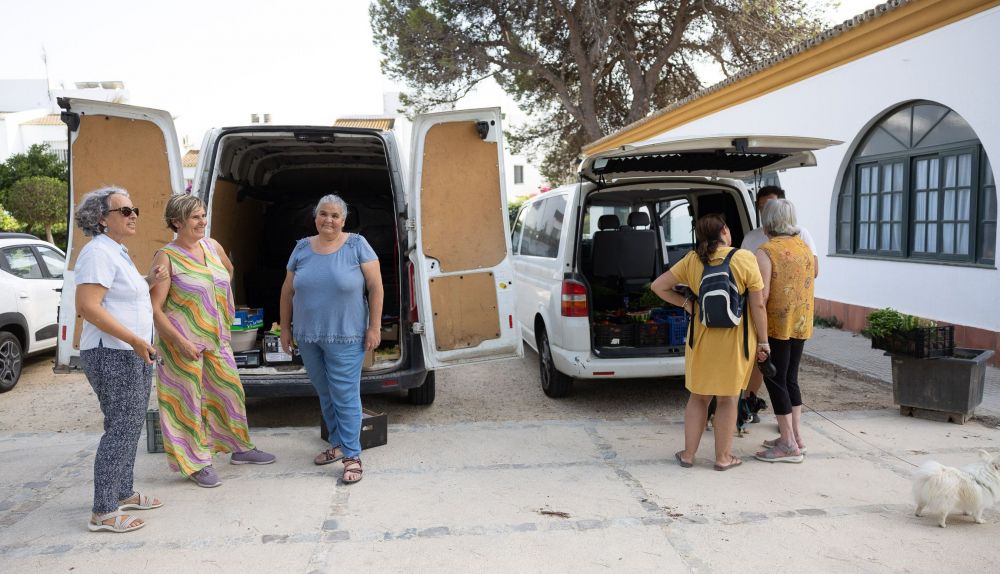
971	489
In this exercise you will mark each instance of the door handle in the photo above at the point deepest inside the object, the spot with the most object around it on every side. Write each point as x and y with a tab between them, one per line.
22	295
58	289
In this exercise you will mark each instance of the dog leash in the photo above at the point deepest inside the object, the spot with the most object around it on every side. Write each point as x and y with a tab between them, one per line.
876	447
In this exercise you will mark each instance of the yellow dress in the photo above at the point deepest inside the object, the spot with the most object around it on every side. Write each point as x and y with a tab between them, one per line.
790	300
715	363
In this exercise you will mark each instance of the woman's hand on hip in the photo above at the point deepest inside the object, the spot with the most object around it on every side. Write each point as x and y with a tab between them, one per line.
373	337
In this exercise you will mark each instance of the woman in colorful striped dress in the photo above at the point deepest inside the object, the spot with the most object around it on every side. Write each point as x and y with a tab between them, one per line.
202	404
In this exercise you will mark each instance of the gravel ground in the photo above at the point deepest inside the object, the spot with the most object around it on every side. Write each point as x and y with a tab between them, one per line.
499	391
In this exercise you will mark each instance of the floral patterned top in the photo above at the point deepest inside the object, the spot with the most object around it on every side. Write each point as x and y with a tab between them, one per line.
790	299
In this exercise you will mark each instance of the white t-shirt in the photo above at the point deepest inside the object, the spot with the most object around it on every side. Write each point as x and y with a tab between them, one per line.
104	261
754	239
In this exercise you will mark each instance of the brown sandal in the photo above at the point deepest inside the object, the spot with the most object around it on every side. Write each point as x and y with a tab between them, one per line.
352	465
327	456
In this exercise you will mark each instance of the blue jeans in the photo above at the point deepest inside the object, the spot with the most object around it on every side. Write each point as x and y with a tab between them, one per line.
335	371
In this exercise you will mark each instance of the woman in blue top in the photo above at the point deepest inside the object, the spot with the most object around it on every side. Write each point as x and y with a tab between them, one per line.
323	305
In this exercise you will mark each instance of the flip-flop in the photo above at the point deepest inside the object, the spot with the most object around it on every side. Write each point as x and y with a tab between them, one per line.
734	461
681	462
145	503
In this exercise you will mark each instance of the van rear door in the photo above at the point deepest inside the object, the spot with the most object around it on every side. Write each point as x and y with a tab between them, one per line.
462	265
125	146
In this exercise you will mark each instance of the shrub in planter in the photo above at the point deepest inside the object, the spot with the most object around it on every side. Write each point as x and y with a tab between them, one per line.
903	334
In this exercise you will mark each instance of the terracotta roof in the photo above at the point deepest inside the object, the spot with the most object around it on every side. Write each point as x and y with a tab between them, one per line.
49	120
807	45
190	159
383	124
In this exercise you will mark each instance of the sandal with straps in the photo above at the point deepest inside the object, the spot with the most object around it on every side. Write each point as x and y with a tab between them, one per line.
143	502
123	522
328	456
352	465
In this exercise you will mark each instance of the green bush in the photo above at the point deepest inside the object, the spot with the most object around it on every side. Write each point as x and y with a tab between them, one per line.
884	322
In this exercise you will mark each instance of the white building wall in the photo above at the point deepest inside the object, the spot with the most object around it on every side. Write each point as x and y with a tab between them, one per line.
11	134
955	66
55	136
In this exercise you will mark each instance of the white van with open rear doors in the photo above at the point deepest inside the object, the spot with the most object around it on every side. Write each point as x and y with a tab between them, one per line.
441	234
585	253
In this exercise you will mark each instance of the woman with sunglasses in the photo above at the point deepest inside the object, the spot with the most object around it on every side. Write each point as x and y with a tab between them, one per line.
202	403
116	350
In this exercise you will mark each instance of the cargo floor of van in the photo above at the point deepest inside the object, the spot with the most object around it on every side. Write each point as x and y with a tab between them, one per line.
262	205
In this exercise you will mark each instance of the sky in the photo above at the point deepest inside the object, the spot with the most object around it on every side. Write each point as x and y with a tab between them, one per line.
214	62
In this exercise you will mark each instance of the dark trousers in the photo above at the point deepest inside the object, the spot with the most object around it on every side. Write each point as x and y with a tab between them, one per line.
784	387
122	382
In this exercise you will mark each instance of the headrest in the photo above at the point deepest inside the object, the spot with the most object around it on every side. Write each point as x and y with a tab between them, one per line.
638	218
606	222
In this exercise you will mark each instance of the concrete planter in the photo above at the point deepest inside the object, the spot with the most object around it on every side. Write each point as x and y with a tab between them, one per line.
944	388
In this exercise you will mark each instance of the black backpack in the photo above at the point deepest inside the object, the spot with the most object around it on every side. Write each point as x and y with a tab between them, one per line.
720	303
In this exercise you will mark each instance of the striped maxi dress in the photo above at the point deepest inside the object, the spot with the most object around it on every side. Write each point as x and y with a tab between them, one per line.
202	403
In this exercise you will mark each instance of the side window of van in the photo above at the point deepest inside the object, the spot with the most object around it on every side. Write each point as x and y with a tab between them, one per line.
515	235
543	227
677	225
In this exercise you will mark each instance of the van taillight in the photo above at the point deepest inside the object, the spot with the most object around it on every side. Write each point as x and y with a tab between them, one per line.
574	299
413	293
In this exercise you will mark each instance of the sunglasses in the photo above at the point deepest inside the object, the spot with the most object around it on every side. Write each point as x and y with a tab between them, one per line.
126	211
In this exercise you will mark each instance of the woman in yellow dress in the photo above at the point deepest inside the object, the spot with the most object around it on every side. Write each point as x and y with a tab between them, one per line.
715	364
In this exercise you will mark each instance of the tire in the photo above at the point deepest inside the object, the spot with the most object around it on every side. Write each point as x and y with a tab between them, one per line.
10	361
554	383
424	394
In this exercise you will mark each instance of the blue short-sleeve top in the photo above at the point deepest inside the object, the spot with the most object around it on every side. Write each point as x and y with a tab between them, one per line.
329	303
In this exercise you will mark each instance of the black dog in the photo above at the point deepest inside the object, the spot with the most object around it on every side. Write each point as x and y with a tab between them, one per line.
746	412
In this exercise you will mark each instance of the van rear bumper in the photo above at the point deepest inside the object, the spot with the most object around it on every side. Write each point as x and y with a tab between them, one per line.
298	384
584	365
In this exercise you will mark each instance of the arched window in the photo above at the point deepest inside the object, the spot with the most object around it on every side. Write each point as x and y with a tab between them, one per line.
920	187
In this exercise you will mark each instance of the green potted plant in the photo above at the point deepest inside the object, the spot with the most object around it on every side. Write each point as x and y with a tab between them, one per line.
930	377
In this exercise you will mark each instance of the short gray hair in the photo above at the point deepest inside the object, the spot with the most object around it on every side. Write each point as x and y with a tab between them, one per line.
778	218
331	199
93	207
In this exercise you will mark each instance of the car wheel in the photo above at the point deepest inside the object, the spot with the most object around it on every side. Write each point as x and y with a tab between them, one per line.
554	383
424	394
10	361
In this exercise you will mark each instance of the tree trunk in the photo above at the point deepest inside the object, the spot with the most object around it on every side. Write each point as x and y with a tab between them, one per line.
48	233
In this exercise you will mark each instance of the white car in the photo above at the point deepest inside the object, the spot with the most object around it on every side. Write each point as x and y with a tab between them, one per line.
31	280
585	253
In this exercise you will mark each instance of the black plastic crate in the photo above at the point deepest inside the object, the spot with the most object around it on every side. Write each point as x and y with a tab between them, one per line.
919	343
653	334
154	436
614	334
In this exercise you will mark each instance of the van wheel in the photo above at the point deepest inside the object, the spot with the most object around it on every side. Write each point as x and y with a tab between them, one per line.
10	361
424	394
554	383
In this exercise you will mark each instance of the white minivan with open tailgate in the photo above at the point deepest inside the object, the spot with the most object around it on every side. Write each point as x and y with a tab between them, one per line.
440	232
585	253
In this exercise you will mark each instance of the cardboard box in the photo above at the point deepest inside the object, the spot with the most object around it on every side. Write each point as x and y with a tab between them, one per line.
374	429
369	360
390	332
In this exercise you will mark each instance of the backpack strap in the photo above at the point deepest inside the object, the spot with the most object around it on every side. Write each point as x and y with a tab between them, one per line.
746	323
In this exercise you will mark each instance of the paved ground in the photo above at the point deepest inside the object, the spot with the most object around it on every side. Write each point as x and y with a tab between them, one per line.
581	494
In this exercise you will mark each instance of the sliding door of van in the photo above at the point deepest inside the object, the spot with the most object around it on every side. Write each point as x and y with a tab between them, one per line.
123	146
462	263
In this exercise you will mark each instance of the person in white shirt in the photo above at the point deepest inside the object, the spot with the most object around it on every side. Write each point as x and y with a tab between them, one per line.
752	242
116	350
